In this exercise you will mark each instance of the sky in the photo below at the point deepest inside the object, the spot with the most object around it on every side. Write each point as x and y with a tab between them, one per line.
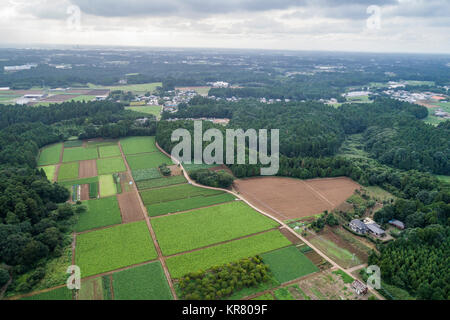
421	26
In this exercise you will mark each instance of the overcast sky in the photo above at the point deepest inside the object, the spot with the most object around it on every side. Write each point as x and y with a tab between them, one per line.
341	25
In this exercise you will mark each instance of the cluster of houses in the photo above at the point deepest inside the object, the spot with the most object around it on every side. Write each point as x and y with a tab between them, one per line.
442	114
222	121
27	66
413	97
371	227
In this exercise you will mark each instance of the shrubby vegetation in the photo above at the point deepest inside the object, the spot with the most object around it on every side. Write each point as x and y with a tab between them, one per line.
217	179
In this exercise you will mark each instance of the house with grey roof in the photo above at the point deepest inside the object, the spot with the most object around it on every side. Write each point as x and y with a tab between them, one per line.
358	226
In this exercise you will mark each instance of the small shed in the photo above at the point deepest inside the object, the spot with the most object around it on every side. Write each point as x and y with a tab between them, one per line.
398	224
359	287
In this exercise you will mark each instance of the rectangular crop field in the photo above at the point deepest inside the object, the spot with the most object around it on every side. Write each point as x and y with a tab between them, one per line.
110	165
203	227
161	182
49	172
68	171
146	174
114	248
187	204
79	181
175	193
109	151
101	213
147	160
146	282
288	264
153	110
56	294
73	143
225	253
94	289
50	155
134	145
107	186
78	154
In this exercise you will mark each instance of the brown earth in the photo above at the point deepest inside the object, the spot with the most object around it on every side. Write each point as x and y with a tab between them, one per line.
88	169
175	170
98	92
222	167
291	237
60	98
129	207
287	198
84	194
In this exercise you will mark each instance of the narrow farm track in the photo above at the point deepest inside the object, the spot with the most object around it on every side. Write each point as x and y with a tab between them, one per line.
149	225
334	264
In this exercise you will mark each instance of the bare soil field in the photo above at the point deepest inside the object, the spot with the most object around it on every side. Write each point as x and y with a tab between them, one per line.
98	92
292	238
79	91
175	170
125	181
60	98
129	207
287	198
84	194
88	169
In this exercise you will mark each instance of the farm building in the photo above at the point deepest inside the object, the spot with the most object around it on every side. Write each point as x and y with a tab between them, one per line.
375	229
360	288
398	224
358	226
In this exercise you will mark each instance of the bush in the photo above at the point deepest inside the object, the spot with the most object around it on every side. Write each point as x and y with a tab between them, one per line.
219	179
4	277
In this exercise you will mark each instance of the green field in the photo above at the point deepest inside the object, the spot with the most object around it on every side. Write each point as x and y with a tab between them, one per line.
145	87
288	264
283	294
153	110
101	213
187	204
225	253
68	171
445	179
79	154
79	181
83	98
146	282
49	172
265	297
208	226
113	248
56	294
175	193
50	155
342	256
161	182
146	174
134	145
109	151
110	165
193	167
107	186
147	160
379	193
73	143
94	289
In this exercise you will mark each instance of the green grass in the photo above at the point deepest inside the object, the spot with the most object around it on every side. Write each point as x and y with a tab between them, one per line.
109	151
101	213
113	248
161	182
203	227
299	290
345	277
283	294
225	253
87	290
93	190
50	155
379	193
110	165
146	282
187	204
73	144
342	256
445	179
144	88
49	172
134	145
107	186
288	264
79	181
175	193
265	297
57	294
68	171
83	98
146	174
153	110
147	160
193	167
79	154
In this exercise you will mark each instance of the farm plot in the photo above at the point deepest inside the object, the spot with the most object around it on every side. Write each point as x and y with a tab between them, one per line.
175	193
110	165
95	289
101	213
109	151
49	172
147	160
287	198
78	154
68	171
134	145
130	207
73	143
288	264
161	182
88	169
159	209
153	110
113	248
146	174
50	155
342	256
208	226
232	251
56	294
107	186
146	282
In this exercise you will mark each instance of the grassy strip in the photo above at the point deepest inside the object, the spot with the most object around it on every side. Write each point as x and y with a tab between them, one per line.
146	174
175	193
345	277
79	181
106	284
50	155
57	294
73	144
93	190
161	182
